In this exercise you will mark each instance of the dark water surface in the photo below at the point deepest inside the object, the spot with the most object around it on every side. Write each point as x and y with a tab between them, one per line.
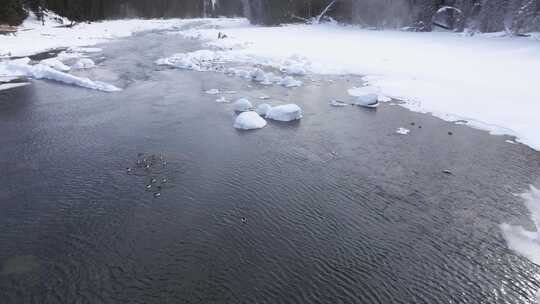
339	208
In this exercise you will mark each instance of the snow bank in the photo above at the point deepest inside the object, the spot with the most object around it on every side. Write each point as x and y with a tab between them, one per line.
84	63
242	105
522	241
249	120
33	38
488	81
22	67
288	112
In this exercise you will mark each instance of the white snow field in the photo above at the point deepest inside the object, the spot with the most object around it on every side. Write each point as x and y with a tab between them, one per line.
488	80
525	242
32	37
249	120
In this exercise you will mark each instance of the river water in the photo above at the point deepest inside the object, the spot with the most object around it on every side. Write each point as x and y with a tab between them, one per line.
336	208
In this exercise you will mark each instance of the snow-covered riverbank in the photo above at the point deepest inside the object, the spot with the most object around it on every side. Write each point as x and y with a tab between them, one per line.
33	37
487	80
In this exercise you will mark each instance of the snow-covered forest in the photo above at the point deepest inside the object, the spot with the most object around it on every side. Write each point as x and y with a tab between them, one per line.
516	16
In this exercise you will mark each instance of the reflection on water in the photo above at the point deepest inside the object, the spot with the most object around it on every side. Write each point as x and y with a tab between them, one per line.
19	265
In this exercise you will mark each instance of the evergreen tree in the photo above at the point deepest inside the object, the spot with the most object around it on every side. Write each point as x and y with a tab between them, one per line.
12	12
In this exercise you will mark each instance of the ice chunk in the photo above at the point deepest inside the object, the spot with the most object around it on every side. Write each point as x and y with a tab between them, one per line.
294	69
524	242
56	64
85	50
290	82
337	103
367	100
201	60
258	75
287	112
222	99
242	105
44	72
263	109
84	63
7	86
295	65
20	67
403	131
249	120
212	92
367	90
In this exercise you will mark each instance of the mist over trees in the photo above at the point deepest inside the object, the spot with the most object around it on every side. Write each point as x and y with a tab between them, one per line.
421	15
516	16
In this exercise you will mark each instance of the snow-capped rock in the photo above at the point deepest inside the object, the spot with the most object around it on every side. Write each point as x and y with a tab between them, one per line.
367	100
286	112
258	75
84	63
249	121
263	109
55	64
242	105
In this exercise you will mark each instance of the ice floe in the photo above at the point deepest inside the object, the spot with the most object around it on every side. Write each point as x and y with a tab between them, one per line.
249	120
288	112
22	67
403	131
